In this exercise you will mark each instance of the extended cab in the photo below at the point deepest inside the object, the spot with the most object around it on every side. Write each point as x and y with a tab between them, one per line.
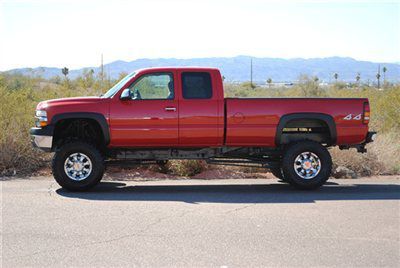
157	114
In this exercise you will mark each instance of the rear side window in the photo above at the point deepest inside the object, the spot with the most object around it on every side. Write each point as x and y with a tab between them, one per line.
196	85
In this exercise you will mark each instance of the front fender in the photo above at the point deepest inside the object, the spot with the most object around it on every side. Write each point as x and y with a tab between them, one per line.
99	118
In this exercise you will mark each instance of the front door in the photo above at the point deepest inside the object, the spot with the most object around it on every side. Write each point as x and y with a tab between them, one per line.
150	117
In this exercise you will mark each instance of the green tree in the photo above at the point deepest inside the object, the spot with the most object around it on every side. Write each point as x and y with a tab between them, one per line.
269	81
384	69
378	77
65	71
309	87
336	76
358	77
87	79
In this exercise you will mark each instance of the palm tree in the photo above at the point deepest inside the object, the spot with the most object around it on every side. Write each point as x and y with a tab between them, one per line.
336	76
269	81
65	72
358	77
384	69
378	77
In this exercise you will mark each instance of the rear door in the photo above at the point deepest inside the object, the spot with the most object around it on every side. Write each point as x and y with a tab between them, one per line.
150	118
199	110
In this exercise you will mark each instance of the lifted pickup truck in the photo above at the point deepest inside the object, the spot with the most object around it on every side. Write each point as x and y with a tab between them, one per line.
157	114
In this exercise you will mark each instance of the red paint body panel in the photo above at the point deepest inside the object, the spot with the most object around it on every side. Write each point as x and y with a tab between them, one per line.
201	122
255	121
143	123
75	105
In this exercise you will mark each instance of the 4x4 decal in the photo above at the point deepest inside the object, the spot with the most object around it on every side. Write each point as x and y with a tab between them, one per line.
350	117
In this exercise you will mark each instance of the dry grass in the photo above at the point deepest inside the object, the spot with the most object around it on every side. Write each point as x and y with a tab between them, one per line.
16	117
382	158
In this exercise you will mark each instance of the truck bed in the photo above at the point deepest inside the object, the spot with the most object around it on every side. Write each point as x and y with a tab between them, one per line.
255	120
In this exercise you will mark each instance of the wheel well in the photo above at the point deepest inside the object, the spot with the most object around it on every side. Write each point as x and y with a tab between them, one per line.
82	129
314	129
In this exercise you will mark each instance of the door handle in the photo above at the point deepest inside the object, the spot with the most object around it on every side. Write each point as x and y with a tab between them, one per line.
170	109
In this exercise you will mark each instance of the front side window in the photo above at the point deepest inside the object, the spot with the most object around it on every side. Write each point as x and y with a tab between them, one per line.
157	86
196	85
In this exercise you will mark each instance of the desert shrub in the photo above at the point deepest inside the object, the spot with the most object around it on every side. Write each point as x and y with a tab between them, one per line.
186	167
16	117
19	96
309	87
382	158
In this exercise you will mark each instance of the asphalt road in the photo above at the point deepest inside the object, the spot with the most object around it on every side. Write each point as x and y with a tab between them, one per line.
223	223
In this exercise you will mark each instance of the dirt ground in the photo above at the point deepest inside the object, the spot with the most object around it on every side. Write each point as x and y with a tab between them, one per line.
146	174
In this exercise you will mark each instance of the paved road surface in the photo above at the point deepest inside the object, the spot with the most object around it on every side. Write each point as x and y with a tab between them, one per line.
201	223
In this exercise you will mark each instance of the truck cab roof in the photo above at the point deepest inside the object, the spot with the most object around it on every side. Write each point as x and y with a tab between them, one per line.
181	68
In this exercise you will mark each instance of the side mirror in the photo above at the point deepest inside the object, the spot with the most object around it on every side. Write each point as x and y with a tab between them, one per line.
126	94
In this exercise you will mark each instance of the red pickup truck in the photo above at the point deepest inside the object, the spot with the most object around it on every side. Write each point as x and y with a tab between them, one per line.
157	114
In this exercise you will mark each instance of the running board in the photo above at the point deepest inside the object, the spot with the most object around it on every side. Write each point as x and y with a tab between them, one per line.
244	163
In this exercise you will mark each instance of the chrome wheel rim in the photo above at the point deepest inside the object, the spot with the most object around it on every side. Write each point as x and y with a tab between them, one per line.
78	166
307	165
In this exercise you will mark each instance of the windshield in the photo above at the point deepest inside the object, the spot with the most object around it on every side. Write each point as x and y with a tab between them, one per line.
111	92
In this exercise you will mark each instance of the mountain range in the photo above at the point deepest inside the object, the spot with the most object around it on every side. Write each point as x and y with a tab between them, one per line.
237	69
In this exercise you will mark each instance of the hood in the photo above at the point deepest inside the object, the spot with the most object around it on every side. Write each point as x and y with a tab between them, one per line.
69	101
75	105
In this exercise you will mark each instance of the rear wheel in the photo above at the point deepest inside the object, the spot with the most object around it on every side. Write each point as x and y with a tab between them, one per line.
78	166
306	165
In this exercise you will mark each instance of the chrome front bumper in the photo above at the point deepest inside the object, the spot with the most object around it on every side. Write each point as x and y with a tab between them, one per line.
42	138
42	142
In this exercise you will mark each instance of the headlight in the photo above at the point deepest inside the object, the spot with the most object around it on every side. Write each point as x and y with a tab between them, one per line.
41	113
41	118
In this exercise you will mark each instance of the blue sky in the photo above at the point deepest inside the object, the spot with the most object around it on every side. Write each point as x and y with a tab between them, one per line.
75	33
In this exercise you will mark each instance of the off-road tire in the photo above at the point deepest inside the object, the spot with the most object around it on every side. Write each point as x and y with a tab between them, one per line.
66	150
289	173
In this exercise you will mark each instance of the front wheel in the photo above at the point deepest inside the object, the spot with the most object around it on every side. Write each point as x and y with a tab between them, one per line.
306	165
78	166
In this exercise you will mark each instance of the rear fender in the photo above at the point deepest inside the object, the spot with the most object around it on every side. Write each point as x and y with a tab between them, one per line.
319	116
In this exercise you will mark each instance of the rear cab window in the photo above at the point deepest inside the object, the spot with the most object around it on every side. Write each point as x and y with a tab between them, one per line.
196	85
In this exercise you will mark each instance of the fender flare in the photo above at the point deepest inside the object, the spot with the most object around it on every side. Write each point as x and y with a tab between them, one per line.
99	118
320	116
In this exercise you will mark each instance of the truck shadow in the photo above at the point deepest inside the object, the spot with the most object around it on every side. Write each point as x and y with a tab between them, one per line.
235	193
